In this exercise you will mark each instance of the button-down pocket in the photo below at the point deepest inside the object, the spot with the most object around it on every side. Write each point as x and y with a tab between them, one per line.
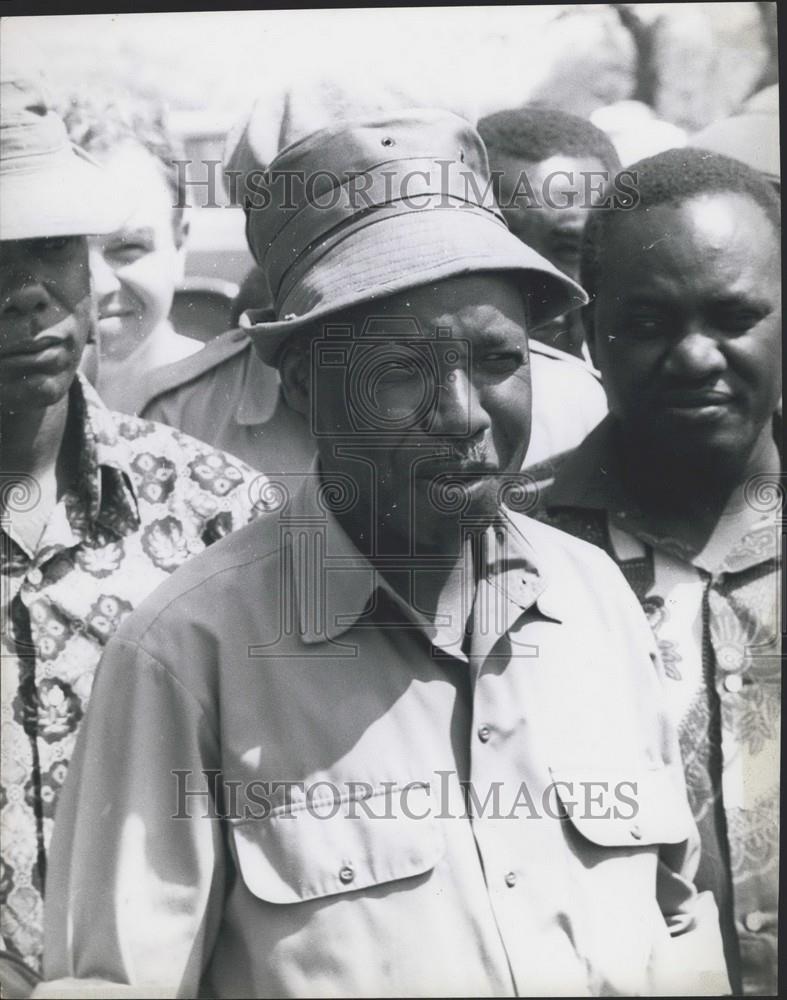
298	855
613	809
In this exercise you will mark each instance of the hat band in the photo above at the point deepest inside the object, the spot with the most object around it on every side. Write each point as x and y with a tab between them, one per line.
415	182
311	255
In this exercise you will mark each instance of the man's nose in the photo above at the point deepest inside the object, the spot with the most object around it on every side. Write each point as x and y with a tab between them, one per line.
102	276
696	355
460	412
27	300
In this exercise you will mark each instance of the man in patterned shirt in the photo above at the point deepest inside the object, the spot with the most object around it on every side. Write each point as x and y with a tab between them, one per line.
96	508
678	484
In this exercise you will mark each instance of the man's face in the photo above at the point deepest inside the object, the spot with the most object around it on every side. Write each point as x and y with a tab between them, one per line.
422	412
45	319
135	269
687	326
553	220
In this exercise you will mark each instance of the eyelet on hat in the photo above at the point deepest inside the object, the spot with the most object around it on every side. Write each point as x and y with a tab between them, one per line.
388	141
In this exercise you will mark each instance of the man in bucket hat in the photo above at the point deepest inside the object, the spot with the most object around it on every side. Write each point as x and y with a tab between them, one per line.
95	508
227	395
395	738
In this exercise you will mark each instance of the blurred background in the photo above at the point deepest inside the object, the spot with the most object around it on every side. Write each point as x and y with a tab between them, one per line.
651	75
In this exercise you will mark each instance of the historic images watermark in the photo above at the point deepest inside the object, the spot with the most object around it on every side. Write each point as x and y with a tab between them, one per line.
207	184
207	794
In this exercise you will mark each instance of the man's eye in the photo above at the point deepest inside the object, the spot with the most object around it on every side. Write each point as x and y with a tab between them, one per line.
127	252
740	320
55	244
501	364
647	326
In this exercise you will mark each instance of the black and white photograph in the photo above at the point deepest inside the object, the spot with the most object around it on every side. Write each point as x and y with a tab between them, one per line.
391	501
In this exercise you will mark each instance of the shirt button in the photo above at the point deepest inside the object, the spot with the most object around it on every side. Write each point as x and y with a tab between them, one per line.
484	733
733	683
35	577
511	880
635	832
754	922
346	874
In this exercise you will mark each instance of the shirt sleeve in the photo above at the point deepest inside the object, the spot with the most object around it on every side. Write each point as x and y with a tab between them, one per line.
137	866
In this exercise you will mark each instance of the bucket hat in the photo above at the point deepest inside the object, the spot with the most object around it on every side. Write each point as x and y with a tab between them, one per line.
361	210
48	186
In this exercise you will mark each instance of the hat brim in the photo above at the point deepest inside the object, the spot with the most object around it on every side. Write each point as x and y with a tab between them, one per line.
72	197
404	251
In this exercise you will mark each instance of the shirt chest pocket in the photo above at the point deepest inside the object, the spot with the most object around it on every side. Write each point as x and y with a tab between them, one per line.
305	853
609	809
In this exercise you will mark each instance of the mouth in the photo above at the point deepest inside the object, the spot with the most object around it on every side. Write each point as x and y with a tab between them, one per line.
41	348
465	472
697	404
108	317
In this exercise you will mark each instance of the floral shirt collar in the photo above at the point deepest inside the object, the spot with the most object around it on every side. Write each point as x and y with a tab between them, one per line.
592	479
105	489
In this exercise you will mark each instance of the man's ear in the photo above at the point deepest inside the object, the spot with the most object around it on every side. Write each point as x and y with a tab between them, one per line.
181	229
589	323
180	233
295	375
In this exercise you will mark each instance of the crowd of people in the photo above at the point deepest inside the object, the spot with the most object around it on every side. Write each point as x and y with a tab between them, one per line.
420	634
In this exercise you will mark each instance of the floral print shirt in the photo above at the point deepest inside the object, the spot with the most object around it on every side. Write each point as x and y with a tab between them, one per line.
715	615
148	498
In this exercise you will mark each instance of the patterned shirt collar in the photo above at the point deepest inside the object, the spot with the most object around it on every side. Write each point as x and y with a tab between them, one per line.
591	479
104	492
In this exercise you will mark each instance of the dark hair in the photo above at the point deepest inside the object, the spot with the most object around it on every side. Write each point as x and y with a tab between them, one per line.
100	122
536	132
670	178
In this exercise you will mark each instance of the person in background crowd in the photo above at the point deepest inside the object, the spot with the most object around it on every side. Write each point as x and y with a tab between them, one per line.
678	484
225	395
548	168
561	158
372	640
135	269
752	135
96	508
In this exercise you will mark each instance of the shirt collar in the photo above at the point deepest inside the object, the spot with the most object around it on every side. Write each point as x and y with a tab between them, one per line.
260	392
335	583
590	476
105	489
591	479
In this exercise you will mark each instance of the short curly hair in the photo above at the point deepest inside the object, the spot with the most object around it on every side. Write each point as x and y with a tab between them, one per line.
670	178
100	122
536	132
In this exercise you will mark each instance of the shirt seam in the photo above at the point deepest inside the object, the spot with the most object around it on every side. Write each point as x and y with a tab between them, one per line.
177	682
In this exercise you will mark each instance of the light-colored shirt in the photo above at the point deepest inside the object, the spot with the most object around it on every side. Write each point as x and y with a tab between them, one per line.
313	798
147	499
715	615
225	395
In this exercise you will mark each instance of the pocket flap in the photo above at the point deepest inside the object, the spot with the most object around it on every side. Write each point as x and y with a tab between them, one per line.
300	855
636	810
